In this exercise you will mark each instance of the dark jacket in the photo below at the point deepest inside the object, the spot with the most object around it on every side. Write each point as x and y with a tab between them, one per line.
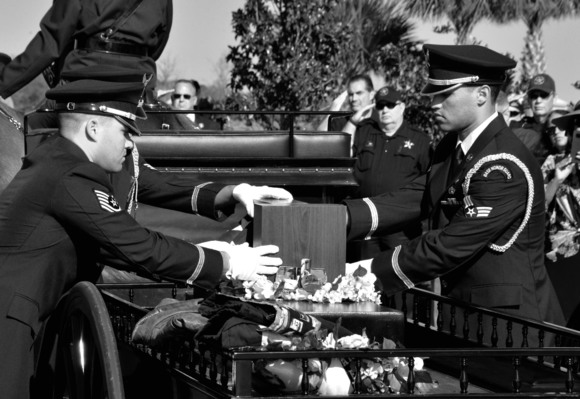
68	20
55	216
474	241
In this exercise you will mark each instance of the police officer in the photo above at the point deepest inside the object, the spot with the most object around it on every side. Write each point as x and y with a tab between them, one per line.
61	210
483	199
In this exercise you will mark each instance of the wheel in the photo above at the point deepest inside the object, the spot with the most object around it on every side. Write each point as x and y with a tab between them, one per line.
80	345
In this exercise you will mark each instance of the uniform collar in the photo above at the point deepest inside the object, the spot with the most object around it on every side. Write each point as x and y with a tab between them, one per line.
468	142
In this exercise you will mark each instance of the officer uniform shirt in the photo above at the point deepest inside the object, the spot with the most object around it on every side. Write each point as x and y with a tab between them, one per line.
68	20
385	163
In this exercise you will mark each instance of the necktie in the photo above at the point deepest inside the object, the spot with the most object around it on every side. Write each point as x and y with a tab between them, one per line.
456	161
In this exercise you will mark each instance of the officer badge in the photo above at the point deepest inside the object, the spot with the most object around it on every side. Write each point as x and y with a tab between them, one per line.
369	144
409	144
107	201
472	211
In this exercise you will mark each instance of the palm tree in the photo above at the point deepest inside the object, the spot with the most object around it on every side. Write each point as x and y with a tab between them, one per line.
533	13
376	23
462	14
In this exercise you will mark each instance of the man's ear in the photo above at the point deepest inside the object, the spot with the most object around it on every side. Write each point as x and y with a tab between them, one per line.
483	95
92	127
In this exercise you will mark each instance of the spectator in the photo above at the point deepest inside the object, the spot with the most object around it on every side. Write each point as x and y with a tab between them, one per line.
60	210
185	98
390	153
360	93
482	198
562	186
532	129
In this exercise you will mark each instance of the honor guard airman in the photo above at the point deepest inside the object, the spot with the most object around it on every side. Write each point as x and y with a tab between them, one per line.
61	212
482	197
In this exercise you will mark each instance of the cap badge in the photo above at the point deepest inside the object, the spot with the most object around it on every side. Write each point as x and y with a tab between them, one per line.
384	91
70	106
539	80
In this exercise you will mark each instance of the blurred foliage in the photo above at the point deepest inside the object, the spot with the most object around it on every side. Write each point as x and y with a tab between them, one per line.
298	55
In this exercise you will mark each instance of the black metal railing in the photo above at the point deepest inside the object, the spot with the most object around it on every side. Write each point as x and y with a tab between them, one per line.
228	373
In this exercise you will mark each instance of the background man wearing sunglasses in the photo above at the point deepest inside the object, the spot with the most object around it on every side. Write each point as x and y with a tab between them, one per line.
532	129
185	98
390	153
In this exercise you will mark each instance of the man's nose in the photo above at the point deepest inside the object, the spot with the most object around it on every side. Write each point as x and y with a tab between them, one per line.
129	144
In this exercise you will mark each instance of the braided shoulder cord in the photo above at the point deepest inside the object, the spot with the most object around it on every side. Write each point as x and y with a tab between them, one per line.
132	198
529	203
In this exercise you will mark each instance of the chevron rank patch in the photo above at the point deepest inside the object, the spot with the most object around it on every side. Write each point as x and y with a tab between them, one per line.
472	211
107	201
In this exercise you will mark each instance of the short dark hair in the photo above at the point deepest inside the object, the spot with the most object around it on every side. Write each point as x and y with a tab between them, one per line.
362	77
192	82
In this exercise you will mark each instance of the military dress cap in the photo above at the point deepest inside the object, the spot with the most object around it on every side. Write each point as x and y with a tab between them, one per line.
452	66
103	90
543	83
387	95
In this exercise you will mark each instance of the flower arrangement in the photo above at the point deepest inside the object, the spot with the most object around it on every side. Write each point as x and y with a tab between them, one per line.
336	376
358	286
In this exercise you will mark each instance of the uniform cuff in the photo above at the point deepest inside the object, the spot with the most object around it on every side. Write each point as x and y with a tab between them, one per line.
360	219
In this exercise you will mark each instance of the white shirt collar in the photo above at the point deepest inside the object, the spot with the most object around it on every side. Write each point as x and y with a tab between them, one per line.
468	142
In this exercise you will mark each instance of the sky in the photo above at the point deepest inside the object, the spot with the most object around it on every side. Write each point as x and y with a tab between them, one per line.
202	32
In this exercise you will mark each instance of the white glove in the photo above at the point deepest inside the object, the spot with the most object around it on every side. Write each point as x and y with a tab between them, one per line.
351	267
246	195
246	263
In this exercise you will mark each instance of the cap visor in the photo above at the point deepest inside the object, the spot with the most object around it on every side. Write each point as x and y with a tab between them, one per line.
129	124
431	89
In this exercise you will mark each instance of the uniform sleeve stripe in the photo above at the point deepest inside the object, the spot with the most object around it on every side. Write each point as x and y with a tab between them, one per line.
198	267
195	196
397	269
374	217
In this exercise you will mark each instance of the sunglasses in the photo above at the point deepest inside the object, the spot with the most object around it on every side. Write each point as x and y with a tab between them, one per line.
551	130
176	96
535	94
383	105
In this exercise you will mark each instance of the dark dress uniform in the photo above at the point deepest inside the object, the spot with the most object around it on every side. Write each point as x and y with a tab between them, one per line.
486	228
60	216
139	41
486	216
56	215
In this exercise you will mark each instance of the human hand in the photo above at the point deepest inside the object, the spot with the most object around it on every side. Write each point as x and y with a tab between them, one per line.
339	101
247	263
363	113
352	267
562	173
246	195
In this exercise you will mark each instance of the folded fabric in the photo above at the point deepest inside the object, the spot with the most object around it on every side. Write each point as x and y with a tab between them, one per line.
169	320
